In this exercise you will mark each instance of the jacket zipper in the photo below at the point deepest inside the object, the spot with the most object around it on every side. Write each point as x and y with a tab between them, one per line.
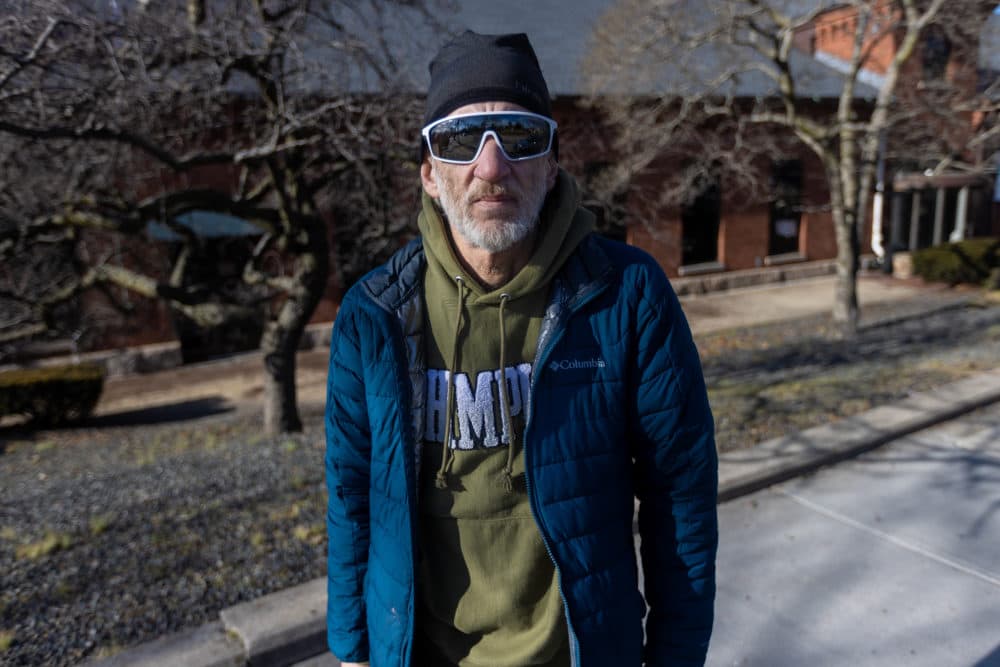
540	358
411	472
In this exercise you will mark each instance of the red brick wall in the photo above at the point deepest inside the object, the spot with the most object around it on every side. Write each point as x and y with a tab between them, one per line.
146	320
150	321
744	226
835	31
662	242
817	239
743	236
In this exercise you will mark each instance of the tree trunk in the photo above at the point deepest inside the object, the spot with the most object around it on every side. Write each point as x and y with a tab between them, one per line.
842	175
283	334
845	302
281	411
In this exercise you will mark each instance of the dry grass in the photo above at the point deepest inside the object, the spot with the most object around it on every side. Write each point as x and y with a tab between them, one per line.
51	543
769	381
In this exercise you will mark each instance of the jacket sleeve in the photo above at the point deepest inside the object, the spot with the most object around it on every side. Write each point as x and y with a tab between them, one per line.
348	456
676	468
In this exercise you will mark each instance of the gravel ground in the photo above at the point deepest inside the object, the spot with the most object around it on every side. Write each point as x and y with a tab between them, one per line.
116	533
114	536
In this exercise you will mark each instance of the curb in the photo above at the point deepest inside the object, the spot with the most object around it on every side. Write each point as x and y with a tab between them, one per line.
288	627
728	280
206	646
781	459
153	357
282	628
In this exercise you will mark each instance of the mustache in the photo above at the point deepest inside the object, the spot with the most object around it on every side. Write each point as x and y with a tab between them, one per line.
492	190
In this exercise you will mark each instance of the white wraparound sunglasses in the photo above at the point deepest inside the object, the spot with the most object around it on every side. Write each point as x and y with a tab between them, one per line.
521	135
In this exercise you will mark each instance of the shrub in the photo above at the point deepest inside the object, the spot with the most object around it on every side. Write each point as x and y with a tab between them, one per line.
969	261
51	396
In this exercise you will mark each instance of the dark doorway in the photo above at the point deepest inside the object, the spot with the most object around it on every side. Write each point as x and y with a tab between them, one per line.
936	53
700	227
786	207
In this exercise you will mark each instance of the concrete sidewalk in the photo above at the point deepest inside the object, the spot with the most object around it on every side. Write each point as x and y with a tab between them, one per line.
890	558
784	302
287	628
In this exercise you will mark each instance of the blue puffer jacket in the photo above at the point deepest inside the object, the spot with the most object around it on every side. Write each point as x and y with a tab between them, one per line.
618	410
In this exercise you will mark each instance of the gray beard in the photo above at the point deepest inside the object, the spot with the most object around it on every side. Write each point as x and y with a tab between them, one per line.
493	239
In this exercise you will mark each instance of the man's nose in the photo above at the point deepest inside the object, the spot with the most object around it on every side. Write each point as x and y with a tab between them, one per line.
491	165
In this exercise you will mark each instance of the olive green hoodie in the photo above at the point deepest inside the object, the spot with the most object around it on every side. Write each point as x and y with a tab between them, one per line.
487	589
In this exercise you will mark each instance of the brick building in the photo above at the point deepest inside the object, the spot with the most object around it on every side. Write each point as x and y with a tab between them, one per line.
718	229
954	67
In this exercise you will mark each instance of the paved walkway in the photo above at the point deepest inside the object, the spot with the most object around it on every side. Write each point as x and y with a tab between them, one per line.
892	558
802	298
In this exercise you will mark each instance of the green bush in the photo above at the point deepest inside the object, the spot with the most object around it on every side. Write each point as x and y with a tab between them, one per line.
969	261
51	396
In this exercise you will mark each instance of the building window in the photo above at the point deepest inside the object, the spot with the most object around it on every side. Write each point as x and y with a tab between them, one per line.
700	225
609	209
936	52
786	207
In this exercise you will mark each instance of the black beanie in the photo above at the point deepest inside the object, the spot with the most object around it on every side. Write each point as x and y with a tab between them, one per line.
486	68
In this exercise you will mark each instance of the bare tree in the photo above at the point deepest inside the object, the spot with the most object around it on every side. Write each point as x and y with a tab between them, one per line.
290	115
740	89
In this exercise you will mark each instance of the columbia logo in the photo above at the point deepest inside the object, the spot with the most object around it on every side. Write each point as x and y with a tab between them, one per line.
573	364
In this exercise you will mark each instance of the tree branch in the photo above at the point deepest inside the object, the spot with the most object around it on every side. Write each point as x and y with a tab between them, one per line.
29	58
104	133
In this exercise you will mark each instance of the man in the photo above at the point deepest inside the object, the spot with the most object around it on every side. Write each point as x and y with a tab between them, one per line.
499	394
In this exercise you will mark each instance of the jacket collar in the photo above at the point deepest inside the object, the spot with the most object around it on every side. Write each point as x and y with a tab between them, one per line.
588	269
586	272
398	280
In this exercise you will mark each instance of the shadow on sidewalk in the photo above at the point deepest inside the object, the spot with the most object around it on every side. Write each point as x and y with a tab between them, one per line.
159	414
19	428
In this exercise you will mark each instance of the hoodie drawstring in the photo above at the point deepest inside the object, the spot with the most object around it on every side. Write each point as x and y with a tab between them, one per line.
441	480
507	478
507	475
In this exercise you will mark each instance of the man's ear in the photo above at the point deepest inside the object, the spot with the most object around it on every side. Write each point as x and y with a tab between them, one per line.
427	178
551	173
